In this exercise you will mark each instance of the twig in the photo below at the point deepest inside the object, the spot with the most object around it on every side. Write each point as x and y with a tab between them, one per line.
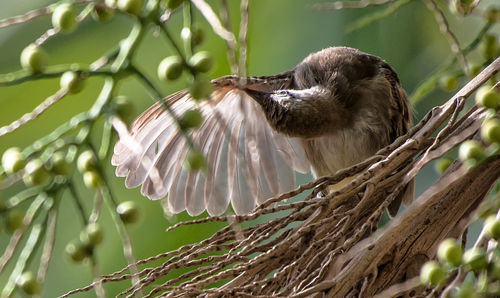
231	51
47	103
450	36
214	21
337	5
243	39
34	14
50	239
16	237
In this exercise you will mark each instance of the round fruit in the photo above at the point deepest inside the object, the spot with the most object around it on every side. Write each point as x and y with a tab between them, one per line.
64	17
35	173
190	119
450	251
110	3
492	227
59	165
131	6
470	149
77	251
86	161
173	4
102	13
71	82
442	164
193	34
489	46
13	160
92	235
201	61
28	284
487	97
195	160
448	83
128	212
495	268
14	220
91	179
493	15
490	130
432	273
475	258
170	68
475	69
200	87
33	59
3	207
123	107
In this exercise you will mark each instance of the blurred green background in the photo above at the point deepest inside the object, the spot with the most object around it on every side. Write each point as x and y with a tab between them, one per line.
281	34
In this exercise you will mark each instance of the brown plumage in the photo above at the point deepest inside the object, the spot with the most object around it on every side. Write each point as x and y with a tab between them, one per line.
334	109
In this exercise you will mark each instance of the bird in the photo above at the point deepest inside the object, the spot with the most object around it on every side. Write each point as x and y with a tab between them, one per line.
336	108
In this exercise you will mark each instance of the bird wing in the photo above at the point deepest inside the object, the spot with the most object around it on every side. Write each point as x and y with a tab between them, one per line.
247	161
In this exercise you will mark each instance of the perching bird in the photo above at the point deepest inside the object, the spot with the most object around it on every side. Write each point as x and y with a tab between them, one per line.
334	109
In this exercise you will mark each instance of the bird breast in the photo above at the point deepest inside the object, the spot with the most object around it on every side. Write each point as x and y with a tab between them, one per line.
349	145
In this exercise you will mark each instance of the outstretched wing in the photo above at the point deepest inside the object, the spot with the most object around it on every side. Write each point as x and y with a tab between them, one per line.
248	162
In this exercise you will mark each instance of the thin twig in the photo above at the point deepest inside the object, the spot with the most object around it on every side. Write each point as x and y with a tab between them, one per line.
47	103
231	50
444	27
337	5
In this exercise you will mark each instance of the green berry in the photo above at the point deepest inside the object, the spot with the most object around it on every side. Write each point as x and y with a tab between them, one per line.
36	174
475	258
195	160
72	82
28	284
493	15
190	119
33	59
170	68
489	46
110	3
3	207
490	130
487	97
91	179
201	61
442	164
86	161
432	273
448	82
64	17
495	268
131	6
173	4
59	165
194	34
450	251
128	212
471	149
13	160
92	235
475	69
200	87
492	227
14	220
77	251
123	107
102	13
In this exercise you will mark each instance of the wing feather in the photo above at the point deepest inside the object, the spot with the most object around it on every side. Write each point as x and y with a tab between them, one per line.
247	162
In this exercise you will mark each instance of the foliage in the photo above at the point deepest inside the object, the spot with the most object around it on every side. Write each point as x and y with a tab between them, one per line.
263	256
